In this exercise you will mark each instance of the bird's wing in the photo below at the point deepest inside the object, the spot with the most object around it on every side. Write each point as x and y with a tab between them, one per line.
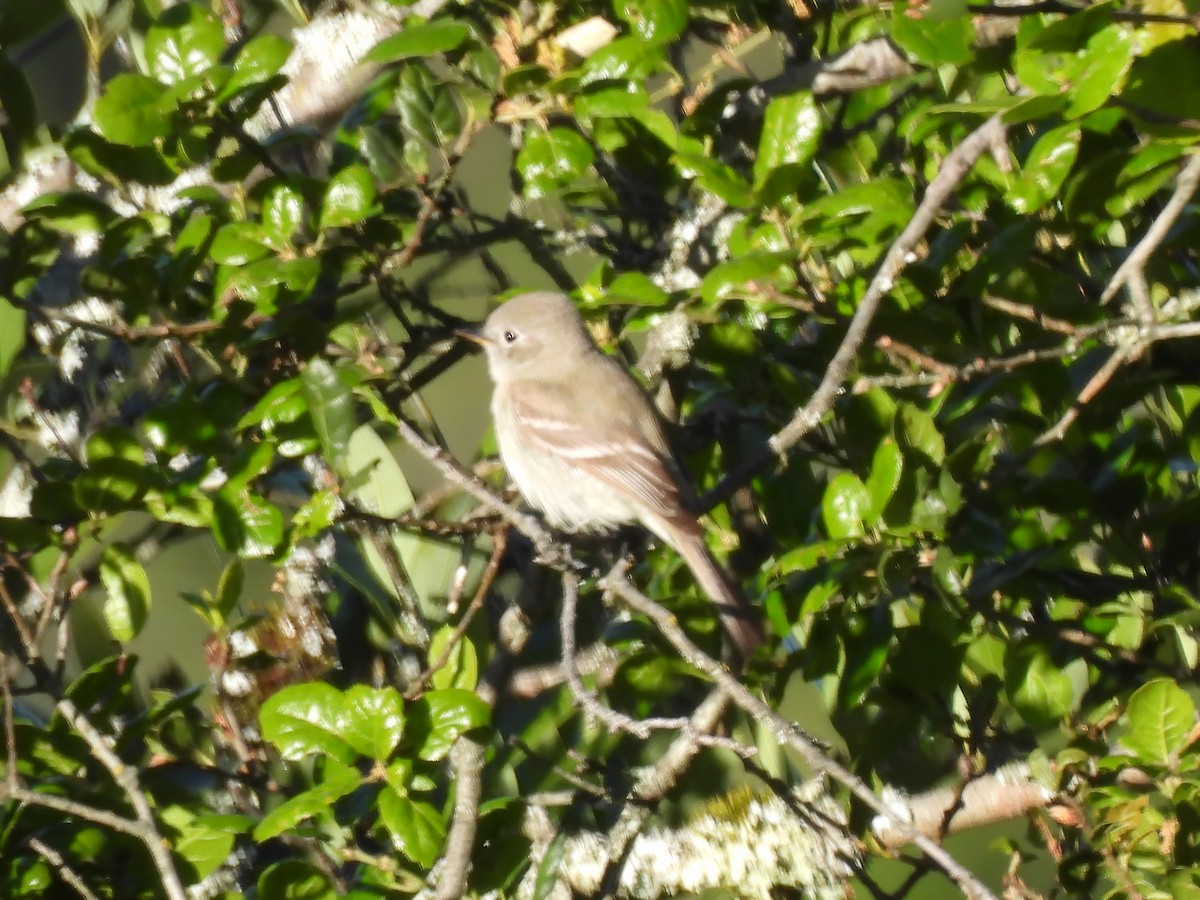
559	420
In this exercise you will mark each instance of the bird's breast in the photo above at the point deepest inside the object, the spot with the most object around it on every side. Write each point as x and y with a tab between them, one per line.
567	494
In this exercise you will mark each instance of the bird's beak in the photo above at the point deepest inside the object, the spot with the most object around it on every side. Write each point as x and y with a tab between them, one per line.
473	333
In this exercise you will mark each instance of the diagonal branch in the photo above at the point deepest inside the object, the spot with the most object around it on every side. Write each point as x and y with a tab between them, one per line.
989	136
787	733
1135	262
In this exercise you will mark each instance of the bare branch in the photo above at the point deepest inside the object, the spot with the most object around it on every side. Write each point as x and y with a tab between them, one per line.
126	776
1135	262
995	797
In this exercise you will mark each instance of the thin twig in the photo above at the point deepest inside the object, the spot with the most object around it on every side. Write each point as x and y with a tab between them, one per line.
1185	187
654	782
1118	358
126	776
615	721
65	872
499	544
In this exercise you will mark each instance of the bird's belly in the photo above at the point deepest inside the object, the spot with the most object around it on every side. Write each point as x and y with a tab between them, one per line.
569	497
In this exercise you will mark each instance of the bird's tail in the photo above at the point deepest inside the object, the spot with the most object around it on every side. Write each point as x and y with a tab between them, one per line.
737	617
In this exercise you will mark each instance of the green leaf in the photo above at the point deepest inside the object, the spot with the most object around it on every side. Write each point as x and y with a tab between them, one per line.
609	101
319	513
417	828
632	288
845	506
626	58
70	212
313	803
919	432
551	159
331	407
790	137
186	40
127	589
1035	108
246	524
258	60
12	335
204	846
237	243
930	39
461	669
283	404
419	39
887	466
373	720
1045	170
655	21
303	719
1101	69
128	111
807	556
715	177
295	880
1036	686
429	112
1162	718
283	214
116	473
349	197
445	715
229	589
740	277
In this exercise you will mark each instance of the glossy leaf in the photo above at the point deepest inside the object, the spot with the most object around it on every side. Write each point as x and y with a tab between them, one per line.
551	159
420	39
127	592
349	198
655	21
445	715
790	137
1045	169
919	432
331	407
304	719
373	720
742	276
932	40
185	40
256	62
1039	689
845	506
887	465
416	827
1162	722
461	668
128	112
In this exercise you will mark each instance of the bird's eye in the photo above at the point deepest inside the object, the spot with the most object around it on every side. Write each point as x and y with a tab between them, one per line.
509	337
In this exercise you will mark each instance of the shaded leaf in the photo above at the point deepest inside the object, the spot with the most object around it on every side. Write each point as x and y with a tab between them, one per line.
417	828
845	506
1161	719
127	592
420	39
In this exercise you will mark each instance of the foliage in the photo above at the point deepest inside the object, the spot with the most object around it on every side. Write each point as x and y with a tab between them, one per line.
982	549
